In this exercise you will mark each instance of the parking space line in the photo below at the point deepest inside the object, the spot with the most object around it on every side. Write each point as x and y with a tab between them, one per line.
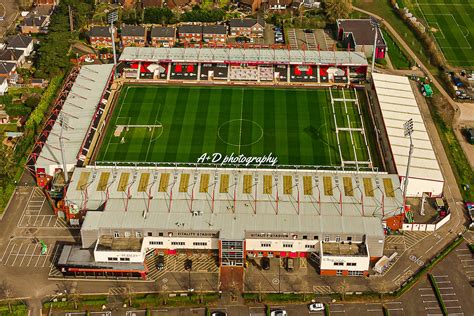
448	294
34	251
6	249
19	250
25	254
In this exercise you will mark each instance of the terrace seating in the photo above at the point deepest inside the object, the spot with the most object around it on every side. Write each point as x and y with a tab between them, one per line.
266	73
243	73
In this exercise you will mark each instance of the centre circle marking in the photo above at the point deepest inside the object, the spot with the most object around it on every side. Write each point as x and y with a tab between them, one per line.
239	120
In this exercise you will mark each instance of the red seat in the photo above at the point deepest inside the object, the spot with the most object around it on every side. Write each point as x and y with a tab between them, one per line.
178	68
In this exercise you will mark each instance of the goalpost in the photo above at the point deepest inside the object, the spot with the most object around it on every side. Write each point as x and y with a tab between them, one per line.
350	129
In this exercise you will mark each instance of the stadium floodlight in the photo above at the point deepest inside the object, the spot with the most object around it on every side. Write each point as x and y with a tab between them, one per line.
375	25
63	122
407	131
111	18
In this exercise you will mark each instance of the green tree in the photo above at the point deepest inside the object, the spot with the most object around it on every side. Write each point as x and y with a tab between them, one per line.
337	9
159	16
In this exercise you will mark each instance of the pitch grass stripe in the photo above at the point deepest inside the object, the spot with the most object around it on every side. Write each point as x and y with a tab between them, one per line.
189	123
269	126
212	123
247	125
176	128
302	122
200	124
258	115
150	113
281	125
292	120
314	132
332	130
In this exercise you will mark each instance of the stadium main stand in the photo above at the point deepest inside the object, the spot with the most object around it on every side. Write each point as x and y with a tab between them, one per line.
252	65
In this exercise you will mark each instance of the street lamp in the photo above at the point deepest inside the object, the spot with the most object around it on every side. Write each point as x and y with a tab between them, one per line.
375	25
407	131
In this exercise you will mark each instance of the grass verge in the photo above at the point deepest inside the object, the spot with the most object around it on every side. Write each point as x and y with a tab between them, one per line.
15	309
398	57
456	156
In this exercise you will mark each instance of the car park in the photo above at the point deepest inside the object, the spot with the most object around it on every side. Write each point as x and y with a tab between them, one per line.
160	262
316	307
265	263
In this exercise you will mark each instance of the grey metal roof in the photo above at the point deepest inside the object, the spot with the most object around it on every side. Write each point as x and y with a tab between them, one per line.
78	110
293	200
100	31
362	31
398	105
242	22
19	41
163	31
133	30
10	55
214	29
34	20
190	28
274	56
6	68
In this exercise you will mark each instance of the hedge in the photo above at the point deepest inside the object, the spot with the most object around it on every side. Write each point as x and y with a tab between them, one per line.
439	298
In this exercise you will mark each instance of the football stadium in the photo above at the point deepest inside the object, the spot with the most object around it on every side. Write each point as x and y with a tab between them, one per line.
178	124
230	154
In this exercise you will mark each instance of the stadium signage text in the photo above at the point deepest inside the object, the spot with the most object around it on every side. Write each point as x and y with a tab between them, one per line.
238	159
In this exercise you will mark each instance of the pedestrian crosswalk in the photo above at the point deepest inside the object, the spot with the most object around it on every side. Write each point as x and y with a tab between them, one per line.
412	238
322	289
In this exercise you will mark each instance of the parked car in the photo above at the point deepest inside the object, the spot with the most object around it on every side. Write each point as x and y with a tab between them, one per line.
160	262
278	312
188	264
218	313
308	31
265	263
316	307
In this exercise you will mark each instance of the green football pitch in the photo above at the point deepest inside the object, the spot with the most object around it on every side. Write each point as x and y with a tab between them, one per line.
169	124
452	24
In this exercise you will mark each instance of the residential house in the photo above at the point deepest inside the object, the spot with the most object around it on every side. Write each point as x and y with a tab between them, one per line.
252	4
163	36
190	33
46	2
247	27
21	42
133	35
309	4
278	5
152	4
214	34
33	24
7	69
359	35
100	36
177	4
127	4
3	90
14	56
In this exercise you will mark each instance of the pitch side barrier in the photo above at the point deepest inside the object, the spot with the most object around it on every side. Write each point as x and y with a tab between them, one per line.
213	166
